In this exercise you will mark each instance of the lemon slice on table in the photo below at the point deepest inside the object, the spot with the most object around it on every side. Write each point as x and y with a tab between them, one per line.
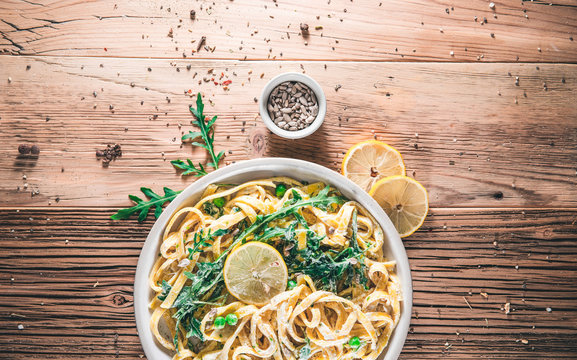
255	272
369	161
404	199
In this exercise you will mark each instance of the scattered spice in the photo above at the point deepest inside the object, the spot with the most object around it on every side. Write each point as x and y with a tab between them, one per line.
201	43
304	28
507	308
112	152
292	106
24	149
192	14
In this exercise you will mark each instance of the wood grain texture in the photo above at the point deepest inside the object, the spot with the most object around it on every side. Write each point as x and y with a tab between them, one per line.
75	298
396	30
458	126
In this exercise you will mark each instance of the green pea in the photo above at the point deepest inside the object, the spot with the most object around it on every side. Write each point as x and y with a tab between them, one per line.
280	190
292	284
355	342
219	322
218	202
231	319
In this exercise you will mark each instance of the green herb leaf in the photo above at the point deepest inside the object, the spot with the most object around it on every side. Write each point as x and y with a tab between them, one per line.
207	280
219	202
291	284
199	241
322	199
280	190
189	168
211	209
165	290
305	351
142	207
206	132
195	329
330	270
191	135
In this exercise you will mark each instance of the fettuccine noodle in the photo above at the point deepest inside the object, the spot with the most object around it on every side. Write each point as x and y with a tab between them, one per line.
348	314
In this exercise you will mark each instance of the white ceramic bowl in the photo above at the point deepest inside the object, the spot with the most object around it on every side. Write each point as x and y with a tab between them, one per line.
308	81
258	169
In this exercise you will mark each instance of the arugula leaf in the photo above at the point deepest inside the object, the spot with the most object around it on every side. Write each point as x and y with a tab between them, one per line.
142	207
165	290
189	168
321	199
305	351
209	277
195	329
206	133
211	209
200	240
329	269
280	190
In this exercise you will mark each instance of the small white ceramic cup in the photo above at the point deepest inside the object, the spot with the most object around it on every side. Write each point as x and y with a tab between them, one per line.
308	81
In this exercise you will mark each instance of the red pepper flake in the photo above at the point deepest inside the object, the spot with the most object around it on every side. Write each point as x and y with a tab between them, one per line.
216	83
227	82
105	49
189	91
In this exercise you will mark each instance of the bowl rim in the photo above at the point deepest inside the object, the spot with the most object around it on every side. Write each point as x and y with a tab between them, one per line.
142	294
313	85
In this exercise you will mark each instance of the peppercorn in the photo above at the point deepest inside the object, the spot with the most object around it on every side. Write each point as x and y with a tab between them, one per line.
304	27
24	149
34	149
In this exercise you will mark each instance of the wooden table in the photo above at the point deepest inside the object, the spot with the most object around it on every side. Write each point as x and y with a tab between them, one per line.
481	102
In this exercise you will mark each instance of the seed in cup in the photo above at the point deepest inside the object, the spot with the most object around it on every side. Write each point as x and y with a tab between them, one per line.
292	106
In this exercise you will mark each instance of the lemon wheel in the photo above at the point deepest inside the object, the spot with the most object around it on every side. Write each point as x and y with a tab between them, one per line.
255	272
369	161
404	200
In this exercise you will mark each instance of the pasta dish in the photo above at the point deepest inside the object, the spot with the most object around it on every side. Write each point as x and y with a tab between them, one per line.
273	269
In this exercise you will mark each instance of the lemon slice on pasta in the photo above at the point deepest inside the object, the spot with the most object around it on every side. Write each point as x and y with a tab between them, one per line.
255	272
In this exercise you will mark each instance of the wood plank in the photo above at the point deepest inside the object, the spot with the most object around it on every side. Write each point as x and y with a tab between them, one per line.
396	30
458	126
75	298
